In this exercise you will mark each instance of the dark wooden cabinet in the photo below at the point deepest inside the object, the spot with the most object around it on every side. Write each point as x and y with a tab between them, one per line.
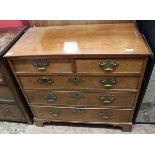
145	110
85	74
13	105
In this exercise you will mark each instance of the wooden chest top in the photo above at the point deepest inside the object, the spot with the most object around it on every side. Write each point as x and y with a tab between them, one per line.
7	35
100	39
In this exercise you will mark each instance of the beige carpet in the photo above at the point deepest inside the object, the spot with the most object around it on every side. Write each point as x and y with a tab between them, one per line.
17	128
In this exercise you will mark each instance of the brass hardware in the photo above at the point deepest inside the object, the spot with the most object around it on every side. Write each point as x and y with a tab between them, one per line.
45	80
105	115
40	64
54	113
78	110
108	82
77	95
51	97
108	65
76	79
107	99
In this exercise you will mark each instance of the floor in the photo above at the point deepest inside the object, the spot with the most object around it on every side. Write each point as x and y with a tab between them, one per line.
18	128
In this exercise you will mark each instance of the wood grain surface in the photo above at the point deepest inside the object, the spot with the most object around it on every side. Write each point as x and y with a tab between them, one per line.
39	23
101	39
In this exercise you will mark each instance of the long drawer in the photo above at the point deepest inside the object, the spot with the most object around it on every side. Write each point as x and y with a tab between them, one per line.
78	82
109	65
81	114
81	98
42	65
10	112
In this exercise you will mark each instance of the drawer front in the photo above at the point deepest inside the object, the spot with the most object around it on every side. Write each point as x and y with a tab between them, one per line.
109	65
81	114
43	65
10	111
5	93
74	82
80	98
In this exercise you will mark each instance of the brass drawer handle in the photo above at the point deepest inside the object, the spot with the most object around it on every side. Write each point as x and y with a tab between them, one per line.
77	95
105	115
108	65
79	110
76	80
108	82
40	64
45	80
51	97
107	99
54	113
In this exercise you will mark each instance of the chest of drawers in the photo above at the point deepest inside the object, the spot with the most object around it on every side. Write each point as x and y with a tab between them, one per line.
81	74
12	102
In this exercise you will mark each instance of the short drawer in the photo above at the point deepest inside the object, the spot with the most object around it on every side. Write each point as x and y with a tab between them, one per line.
109	65
5	93
81	98
10	112
73	114
42	65
78	82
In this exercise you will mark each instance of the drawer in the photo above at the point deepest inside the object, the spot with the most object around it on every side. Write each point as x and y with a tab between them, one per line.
10	111
109	65
80	98
42	65
5	93
78	82
81	114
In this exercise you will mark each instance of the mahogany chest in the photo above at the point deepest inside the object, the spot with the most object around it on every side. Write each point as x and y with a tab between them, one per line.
12	103
81	74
